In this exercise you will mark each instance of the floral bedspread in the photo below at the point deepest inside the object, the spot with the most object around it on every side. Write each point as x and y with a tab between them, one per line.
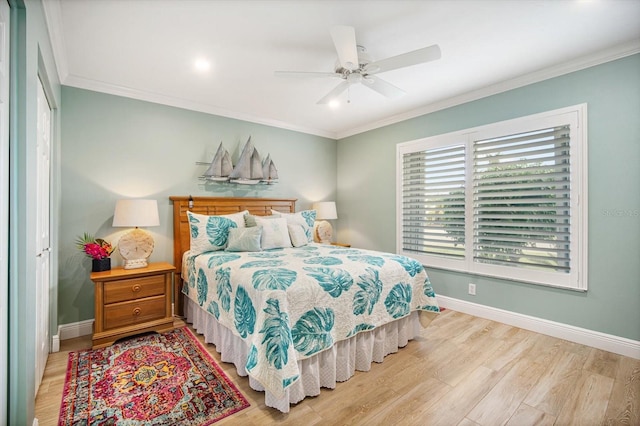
290	304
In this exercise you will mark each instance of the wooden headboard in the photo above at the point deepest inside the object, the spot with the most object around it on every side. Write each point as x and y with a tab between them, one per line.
213	206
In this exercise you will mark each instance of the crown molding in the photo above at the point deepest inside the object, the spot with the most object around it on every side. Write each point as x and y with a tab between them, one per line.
598	58
53	19
128	92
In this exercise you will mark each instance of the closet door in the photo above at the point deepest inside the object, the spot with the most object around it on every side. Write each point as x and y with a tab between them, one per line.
4	204
43	242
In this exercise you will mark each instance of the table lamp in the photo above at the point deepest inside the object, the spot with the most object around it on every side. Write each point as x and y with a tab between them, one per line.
136	246
322	230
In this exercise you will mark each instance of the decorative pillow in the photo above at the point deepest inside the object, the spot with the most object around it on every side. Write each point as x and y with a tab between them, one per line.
274	233
211	233
297	235
244	239
306	218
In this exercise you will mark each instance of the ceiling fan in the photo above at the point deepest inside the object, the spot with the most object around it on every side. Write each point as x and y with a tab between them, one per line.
355	66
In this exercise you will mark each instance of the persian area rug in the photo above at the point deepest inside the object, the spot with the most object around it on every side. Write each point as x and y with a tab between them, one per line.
155	379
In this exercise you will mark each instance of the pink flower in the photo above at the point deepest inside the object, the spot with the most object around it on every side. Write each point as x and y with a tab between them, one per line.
95	248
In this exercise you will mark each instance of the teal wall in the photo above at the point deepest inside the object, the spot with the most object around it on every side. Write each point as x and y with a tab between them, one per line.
115	147
366	195
31	58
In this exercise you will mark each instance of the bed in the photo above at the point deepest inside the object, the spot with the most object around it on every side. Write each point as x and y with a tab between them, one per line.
296	316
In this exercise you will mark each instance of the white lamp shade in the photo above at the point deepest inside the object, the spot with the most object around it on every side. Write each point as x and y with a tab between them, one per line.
325	210
136	213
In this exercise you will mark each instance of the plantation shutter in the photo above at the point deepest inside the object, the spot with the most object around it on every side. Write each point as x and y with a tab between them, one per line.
433	201
521	200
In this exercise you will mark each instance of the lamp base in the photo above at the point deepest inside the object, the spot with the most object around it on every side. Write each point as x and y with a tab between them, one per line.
135	263
322	232
135	247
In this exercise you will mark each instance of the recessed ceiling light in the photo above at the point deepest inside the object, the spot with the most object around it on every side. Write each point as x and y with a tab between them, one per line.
202	65
334	104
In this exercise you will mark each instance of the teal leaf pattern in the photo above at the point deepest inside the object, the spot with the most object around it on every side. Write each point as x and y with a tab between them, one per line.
398	301
262	264
191	272
252	358
371	260
333	281
427	288
223	287
369	293
258	296
288	381
361	327
273	279
193	226
244	313
312	332
214	309
309	216
218	230
323	260
221	258
202	287
413	267
276	334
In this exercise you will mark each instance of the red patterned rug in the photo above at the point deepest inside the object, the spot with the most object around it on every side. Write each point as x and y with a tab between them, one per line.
155	379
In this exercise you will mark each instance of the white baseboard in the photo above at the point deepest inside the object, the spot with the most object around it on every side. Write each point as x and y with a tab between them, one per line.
75	329
596	339
55	343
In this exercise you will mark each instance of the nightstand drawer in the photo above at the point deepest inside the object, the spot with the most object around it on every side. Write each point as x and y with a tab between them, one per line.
134	312
133	288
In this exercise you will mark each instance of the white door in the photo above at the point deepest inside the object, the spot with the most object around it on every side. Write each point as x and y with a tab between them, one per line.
4	204
43	245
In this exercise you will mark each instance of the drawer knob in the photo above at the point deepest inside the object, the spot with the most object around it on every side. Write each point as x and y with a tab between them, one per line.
137	311
136	288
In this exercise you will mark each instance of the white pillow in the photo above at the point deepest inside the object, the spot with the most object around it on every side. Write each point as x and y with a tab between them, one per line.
305	218
297	235
244	239
274	233
211	233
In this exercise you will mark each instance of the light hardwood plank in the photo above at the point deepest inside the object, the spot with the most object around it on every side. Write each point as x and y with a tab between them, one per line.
461	370
549	393
624	402
588	402
526	415
506	396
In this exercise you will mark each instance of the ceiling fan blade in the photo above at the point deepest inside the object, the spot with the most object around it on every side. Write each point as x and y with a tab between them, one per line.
344	38
382	87
420	56
334	93
305	74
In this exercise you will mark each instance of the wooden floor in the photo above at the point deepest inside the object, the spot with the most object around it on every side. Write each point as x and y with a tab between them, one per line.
462	371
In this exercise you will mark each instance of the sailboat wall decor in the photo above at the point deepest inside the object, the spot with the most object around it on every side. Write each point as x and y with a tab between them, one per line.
220	167
269	171
249	170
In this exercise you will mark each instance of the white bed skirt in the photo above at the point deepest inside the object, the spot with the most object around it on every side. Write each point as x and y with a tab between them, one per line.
337	364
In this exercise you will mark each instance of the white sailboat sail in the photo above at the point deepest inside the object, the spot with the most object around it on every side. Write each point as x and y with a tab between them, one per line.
220	167
248	170
269	171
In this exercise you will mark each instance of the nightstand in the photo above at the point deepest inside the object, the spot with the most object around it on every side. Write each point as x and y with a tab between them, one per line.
132	301
341	245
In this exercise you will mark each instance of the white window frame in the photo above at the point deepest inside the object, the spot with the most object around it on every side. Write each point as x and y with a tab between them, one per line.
576	117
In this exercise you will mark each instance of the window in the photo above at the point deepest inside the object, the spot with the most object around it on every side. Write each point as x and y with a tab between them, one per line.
506	200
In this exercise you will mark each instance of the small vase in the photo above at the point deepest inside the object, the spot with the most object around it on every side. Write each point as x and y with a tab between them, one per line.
99	265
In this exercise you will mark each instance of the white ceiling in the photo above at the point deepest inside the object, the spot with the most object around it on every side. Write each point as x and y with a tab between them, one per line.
146	49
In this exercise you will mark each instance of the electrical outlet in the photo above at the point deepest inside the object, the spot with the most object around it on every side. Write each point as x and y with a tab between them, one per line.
472	289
